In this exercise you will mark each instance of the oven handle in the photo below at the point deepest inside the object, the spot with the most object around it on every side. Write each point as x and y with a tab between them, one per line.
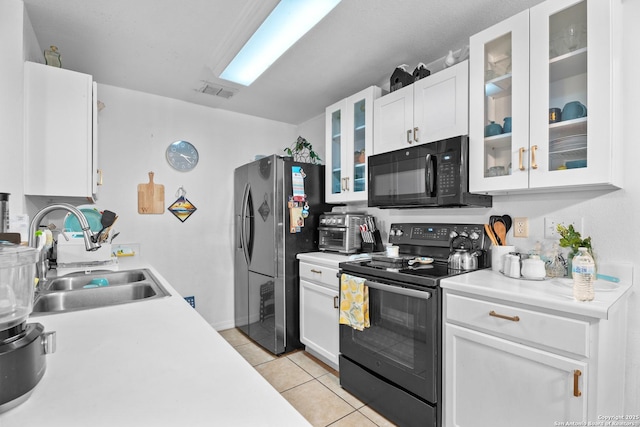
332	228
398	290
395	289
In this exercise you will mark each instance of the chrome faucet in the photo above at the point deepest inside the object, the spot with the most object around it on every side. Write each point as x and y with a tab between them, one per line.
35	222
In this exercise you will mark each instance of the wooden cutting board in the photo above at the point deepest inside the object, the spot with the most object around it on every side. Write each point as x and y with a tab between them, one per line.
150	197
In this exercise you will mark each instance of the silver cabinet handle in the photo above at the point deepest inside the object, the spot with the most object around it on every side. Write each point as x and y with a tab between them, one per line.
313	270
409	136
415	134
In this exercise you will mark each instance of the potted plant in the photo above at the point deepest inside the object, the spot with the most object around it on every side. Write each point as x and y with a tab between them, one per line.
570	238
302	151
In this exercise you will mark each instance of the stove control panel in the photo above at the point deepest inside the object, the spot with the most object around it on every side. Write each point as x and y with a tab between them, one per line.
439	235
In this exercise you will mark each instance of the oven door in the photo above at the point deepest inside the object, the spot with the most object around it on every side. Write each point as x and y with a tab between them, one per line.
404	177
333	239
402	343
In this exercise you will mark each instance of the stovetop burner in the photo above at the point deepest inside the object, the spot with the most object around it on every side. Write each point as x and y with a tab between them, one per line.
418	241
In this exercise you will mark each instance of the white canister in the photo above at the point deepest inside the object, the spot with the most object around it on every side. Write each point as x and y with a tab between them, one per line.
533	268
497	257
512	265
393	251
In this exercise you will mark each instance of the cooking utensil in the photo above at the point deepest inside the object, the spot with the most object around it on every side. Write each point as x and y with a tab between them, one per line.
501	232
114	236
489	231
508	222
105	233
492	220
150	197
107	220
420	260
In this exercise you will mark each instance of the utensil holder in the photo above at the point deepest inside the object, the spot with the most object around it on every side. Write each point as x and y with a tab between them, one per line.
376	246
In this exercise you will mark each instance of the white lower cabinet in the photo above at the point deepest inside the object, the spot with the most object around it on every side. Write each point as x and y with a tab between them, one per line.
514	365
319	312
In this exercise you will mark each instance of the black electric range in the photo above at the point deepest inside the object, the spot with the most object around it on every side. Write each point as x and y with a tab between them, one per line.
394	363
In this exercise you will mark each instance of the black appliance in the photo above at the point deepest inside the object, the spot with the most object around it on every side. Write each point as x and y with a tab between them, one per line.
278	203
394	366
435	174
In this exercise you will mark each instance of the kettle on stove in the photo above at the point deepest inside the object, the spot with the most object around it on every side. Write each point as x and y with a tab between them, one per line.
462	256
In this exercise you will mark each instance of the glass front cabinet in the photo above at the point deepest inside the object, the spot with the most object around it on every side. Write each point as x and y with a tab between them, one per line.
544	99
349	140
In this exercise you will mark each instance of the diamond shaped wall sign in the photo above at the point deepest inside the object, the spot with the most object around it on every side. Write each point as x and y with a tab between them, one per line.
182	208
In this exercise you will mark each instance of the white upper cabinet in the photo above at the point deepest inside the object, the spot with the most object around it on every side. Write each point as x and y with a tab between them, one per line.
549	71
349	140
433	108
61	155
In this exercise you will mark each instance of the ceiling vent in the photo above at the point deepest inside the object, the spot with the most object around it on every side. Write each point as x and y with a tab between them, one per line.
218	90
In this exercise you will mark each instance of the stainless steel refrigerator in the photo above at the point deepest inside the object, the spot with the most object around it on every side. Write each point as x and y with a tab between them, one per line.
273	225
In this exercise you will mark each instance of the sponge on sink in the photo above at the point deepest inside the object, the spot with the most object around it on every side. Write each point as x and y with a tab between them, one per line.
96	283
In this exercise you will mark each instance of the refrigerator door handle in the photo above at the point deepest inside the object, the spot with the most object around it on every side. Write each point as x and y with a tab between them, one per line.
243	228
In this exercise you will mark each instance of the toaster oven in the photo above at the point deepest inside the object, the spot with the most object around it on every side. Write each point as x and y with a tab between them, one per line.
340	232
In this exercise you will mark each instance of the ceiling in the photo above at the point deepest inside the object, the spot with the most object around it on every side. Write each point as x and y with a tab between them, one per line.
175	48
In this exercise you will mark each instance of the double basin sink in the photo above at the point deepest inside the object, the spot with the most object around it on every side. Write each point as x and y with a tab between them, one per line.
81	291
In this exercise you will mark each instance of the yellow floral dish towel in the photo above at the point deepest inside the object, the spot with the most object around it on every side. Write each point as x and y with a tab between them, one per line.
354	302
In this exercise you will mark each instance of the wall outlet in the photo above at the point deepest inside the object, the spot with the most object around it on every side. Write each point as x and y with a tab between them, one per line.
551	224
520	227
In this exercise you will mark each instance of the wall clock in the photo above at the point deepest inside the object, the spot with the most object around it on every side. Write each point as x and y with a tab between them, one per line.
182	155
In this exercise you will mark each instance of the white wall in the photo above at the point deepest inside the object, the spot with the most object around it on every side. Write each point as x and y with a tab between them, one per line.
313	131
11	102
195	256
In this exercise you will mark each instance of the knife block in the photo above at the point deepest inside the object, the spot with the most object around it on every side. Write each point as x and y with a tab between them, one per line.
373	247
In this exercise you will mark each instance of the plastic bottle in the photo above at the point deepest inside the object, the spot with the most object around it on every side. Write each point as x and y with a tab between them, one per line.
584	274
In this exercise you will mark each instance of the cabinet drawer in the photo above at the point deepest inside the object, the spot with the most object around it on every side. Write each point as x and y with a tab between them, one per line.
519	324
320	274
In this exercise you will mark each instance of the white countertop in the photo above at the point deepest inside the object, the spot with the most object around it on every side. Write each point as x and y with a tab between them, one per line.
152	363
553	294
329	259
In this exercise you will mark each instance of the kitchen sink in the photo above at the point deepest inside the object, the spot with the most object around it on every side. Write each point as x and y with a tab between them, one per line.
79	281
86	291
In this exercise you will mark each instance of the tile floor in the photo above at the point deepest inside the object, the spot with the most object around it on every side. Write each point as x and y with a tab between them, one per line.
309	385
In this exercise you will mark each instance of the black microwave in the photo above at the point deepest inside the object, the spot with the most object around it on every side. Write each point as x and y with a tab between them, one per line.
435	174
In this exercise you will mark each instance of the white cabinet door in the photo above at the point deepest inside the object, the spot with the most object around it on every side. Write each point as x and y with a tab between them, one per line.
441	104
393	120
577	150
431	109
319	315
531	61
60	123
494	382
499	88
349	140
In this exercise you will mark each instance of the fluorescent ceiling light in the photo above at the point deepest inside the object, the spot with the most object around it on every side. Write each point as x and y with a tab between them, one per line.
287	23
